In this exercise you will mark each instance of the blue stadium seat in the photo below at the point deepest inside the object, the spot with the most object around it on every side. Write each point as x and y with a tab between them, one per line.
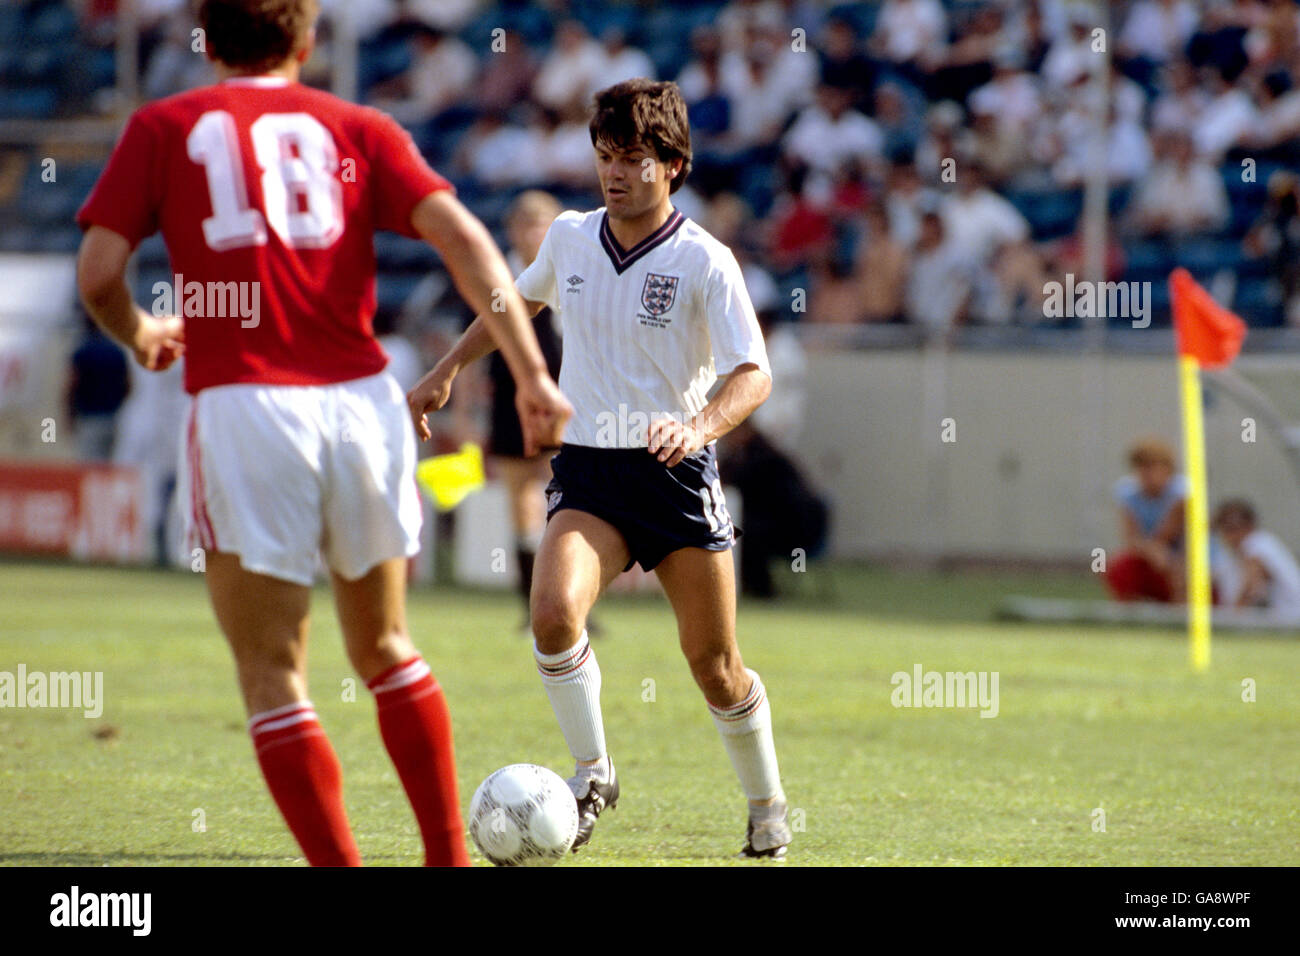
39	64
598	17
1051	214
31	102
66	239
92	69
1208	254
18	237
394	288
861	15
54	23
11	25
1259	301
381	60
1148	260
152	254
396	253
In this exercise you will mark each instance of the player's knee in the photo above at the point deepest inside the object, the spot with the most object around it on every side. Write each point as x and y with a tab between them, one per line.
373	656
716	675
267	687
557	621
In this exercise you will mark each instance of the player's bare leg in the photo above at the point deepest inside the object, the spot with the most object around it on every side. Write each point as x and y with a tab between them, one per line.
265	622
701	586
372	616
579	556
525	480
413	717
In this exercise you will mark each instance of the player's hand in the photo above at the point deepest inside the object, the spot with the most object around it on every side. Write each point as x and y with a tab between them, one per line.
671	440
430	394
159	341
543	413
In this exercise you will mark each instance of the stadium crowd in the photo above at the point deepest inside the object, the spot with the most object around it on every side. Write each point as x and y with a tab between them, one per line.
851	153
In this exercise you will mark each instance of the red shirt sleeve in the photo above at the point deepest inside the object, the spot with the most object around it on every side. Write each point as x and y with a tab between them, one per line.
125	199
399	176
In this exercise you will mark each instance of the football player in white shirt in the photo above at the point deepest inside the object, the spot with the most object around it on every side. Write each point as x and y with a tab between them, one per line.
653	310
1270	576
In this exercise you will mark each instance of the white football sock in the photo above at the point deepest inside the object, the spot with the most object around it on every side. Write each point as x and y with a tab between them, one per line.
746	730
572	680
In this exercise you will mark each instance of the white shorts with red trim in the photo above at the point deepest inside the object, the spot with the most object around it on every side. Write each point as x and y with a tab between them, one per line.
280	474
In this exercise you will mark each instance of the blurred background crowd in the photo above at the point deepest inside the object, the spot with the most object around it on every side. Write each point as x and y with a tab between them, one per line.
920	169
822	133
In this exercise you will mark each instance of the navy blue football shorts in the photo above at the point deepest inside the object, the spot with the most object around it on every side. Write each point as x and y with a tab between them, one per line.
656	509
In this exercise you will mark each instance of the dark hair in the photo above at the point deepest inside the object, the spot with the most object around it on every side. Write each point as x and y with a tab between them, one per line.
1235	511
645	113
256	35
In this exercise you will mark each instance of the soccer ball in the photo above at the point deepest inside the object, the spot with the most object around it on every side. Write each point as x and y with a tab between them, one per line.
523	815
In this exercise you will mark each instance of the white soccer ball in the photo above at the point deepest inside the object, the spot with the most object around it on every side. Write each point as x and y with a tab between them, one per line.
523	815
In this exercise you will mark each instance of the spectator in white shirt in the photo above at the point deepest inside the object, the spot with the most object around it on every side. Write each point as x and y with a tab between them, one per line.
441	75
1011	96
622	62
910	32
1181	100
1157	31
450	15
906	199
828	135
945	138
1269	577
570	69
939	281
1228	117
498	154
1278	124
1182	195
976	219
1128	154
1072	56
565	155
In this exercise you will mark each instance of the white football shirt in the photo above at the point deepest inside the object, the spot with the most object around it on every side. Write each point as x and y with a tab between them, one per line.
647	330
1283	572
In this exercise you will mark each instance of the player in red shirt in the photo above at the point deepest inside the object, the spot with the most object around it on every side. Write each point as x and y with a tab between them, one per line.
268	195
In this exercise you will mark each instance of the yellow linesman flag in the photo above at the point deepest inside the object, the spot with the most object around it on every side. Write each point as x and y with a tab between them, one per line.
450	479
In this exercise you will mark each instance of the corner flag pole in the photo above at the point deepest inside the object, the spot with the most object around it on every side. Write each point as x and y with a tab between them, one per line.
1197	531
1209	336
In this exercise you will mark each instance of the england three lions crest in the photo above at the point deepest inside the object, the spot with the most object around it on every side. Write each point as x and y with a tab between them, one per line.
658	293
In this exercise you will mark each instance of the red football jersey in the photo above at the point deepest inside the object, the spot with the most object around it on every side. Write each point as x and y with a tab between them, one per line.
268	194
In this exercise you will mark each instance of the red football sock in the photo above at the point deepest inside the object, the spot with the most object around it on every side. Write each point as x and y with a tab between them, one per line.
305	779
416	727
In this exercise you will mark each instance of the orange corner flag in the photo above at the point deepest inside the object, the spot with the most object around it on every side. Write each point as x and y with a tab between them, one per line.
1204	330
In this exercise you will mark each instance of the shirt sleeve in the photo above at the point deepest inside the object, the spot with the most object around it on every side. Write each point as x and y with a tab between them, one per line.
537	282
125	198
1123	490
399	176
733	327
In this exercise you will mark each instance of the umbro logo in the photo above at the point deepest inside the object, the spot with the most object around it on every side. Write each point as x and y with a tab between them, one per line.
574	281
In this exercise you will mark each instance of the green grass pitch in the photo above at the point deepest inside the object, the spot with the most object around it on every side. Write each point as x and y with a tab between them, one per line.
1089	719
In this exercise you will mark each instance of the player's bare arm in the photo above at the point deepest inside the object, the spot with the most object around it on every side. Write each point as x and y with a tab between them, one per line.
432	391
1255	580
482	278
155	341
742	391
